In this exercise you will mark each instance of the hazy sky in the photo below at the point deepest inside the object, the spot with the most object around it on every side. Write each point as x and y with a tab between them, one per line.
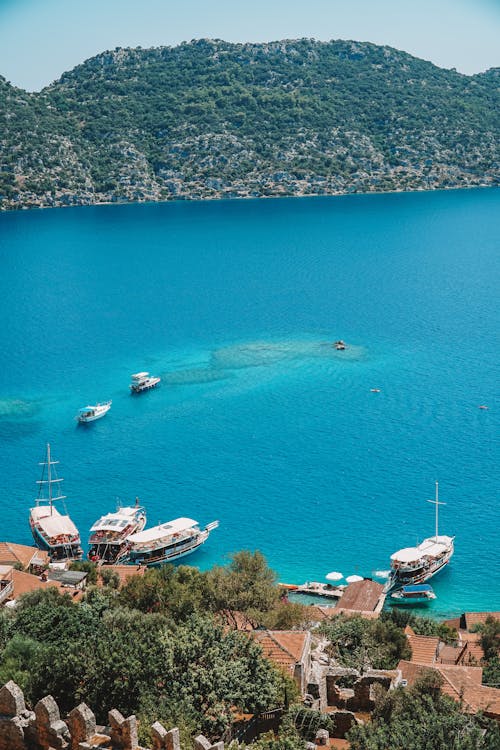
40	39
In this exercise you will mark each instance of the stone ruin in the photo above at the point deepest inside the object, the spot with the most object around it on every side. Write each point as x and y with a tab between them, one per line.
43	728
343	703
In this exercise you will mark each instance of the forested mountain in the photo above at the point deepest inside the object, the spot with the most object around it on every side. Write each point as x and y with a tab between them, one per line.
210	119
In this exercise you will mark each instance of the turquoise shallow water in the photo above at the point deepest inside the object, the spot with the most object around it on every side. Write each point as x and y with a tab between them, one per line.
259	422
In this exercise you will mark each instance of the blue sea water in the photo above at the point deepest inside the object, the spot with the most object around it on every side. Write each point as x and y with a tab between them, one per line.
259	422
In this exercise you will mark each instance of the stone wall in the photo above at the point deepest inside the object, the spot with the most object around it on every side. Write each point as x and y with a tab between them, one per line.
44	729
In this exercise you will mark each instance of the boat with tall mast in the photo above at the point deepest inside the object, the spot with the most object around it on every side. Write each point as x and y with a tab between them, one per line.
416	565
52	531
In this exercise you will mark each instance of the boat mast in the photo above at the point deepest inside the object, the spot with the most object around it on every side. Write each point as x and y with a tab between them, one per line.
49	477
50	481
437	504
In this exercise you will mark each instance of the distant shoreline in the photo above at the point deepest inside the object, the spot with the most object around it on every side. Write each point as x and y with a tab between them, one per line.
213	198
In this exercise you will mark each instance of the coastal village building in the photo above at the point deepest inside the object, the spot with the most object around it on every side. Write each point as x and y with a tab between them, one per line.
364	598
290	650
14	583
31	559
463	684
458	664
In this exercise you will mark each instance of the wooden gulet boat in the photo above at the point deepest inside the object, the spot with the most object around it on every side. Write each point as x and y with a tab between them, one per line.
109	534
416	565
52	531
166	542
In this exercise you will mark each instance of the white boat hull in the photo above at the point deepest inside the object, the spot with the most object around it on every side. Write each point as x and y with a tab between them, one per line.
168	552
93	413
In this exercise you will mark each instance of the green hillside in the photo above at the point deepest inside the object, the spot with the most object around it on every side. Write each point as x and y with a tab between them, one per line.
212	119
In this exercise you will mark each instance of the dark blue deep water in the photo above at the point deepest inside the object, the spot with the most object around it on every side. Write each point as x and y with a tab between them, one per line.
259	422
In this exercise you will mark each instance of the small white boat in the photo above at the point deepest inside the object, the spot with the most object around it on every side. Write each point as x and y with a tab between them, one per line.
411	595
166	542
143	381
91	413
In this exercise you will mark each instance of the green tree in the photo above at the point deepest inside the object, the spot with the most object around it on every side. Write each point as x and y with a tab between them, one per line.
362	644
421	718
490	637
246	585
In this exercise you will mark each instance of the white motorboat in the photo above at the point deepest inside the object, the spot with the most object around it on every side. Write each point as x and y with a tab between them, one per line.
413	595
143	381
167	542
108	535
415	565
52	531
91	413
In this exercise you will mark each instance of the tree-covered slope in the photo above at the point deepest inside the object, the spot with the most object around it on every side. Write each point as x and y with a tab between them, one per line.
209	118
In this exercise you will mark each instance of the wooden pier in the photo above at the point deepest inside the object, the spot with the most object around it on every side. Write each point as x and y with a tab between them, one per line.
315	588
365	597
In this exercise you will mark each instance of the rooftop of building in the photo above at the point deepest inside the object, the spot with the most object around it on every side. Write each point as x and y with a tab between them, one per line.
462	683
361	596
11	553
472	619
424	648
283	647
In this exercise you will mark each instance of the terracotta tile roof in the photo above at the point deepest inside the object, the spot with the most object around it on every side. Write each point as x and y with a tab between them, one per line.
451	654
473	654
11	553
423	648
463	684
26	582
316	613
361	596
478	618
283	647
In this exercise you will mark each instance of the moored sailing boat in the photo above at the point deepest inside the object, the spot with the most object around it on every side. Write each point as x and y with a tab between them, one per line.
109	534
415	565
52	531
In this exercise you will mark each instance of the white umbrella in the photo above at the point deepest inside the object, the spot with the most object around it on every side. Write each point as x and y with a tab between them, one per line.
353	579
382	573
334	576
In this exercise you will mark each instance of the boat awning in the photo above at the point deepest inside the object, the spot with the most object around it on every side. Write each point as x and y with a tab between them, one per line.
54	526
114	521
417	589
139	375
434	546
86	408
407	555
176	526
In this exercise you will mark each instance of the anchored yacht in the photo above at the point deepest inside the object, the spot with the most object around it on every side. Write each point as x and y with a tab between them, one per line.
416	565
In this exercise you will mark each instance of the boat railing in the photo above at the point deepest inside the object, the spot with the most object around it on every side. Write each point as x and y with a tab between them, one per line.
161	543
